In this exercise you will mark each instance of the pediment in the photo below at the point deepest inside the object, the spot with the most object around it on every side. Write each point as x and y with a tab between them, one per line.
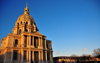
37	33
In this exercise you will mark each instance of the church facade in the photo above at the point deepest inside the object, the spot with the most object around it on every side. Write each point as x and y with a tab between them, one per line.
25	44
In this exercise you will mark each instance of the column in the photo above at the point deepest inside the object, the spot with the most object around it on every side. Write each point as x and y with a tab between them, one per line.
12	56
51	45
45	44
33	56
50	56
22	53
46	56
13	42
22	40
39	56
42	56
33	41
29	55
41	42
29	40
19	56
5	59
38	42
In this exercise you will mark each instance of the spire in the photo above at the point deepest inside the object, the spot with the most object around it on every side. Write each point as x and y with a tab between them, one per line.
26	11
26	5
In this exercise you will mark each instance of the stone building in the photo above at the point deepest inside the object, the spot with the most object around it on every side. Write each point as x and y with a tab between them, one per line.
77	59
25	44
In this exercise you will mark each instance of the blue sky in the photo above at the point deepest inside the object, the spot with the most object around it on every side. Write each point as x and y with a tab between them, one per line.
72	25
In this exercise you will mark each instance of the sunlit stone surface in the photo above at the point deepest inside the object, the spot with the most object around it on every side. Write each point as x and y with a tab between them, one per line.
25	44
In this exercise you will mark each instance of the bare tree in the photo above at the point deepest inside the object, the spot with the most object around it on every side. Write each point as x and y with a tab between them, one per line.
84	55
74	55
96	52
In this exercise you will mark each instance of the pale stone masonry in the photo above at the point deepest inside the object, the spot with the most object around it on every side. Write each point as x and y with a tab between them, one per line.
25	44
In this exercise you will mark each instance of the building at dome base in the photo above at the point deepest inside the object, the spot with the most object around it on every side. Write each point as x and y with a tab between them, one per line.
25	44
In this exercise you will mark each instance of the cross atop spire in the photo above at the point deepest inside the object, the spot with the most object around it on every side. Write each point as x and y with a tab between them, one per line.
26	11
26	5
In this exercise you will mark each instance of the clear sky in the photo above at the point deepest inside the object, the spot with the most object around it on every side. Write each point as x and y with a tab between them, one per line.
72	25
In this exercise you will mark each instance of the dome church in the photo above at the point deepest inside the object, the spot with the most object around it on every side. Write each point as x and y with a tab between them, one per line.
25	44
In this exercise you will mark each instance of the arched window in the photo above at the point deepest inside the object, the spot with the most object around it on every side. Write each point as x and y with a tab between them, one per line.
16	41
32	29
21	22
18	25
31	23
19	31
26	22
26	30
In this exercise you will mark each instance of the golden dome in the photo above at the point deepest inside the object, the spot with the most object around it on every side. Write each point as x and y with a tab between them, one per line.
25	16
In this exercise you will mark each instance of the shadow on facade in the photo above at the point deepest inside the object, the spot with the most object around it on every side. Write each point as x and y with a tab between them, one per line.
16	57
